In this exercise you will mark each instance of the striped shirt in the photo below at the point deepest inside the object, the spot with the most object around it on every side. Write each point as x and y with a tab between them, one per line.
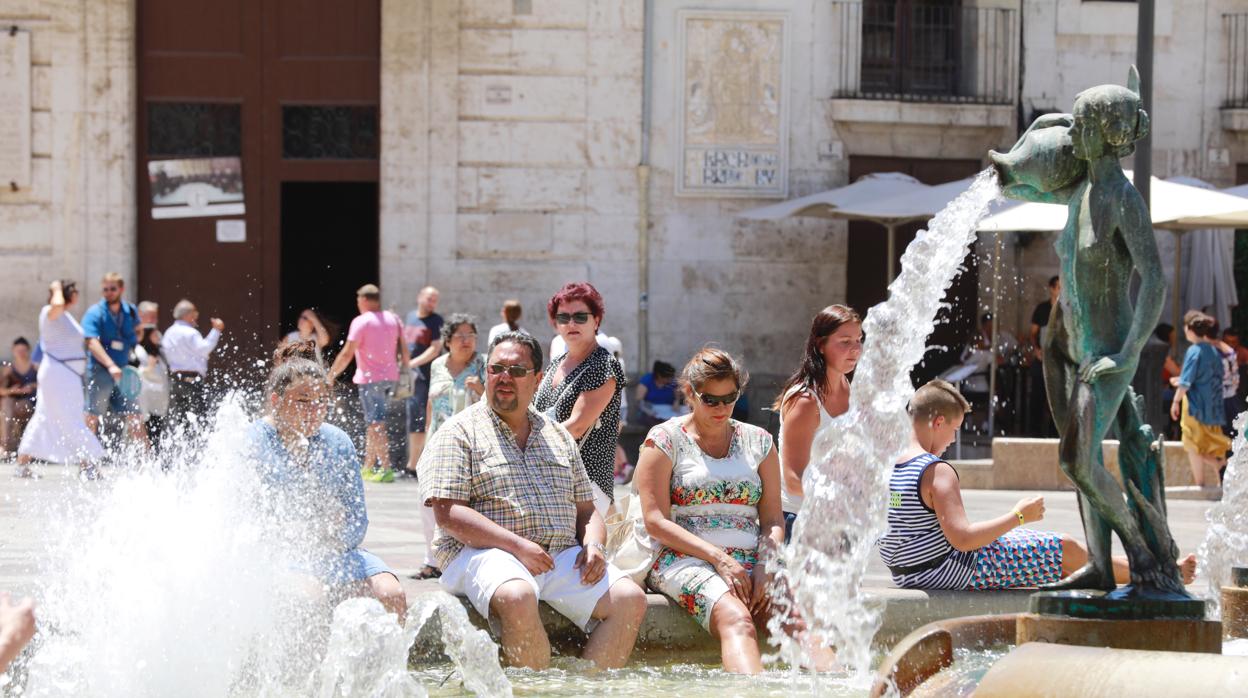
533	492
915	548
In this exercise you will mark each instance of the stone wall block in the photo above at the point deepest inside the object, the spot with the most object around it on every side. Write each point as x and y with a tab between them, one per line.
466	187
615	53
41	133
617	14
614	99
568	235
612	191
547	98
611	238
40	87
506	51
501	13
614	143
530	189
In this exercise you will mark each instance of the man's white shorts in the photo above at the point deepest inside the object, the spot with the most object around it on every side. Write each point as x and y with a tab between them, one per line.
477	573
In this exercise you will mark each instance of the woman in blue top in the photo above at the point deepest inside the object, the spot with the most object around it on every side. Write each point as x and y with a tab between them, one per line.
1198	398
313	467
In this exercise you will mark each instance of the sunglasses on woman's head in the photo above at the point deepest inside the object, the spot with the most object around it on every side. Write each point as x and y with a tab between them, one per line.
513	371
579	318
716	400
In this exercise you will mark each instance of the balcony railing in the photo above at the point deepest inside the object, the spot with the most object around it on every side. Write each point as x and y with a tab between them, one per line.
1236	27
926	51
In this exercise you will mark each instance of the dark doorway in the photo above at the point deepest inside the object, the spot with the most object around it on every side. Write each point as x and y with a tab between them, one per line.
289	90
329	249
868	249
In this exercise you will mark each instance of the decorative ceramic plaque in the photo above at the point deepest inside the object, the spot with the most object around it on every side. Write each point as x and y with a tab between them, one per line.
14	109
733	104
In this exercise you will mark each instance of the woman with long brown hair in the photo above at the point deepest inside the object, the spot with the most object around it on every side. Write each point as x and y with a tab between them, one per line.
815	394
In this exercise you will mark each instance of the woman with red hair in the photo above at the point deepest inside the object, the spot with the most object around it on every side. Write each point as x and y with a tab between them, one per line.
581	388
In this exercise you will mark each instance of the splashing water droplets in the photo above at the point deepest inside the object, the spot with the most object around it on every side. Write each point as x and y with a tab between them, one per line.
1226	539
846	484
190	583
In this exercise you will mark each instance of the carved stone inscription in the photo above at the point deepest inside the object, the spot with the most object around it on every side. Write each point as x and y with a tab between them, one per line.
734	104
14	109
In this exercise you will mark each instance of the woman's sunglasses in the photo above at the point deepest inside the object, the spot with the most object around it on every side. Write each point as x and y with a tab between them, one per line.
579	318
513	371
716	400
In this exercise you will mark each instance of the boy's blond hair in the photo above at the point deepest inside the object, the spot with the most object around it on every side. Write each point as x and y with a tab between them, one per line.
935	399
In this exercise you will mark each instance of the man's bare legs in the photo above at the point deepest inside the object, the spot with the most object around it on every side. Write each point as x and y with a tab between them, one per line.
620	611
524	639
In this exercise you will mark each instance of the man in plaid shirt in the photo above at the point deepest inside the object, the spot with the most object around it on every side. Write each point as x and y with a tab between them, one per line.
516	519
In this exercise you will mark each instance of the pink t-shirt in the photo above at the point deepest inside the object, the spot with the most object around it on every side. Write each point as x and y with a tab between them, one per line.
376	337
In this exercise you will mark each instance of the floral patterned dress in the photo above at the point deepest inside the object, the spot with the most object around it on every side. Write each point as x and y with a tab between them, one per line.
717	500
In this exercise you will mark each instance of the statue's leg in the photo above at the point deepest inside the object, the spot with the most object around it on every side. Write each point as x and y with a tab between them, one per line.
1060	377
1091	409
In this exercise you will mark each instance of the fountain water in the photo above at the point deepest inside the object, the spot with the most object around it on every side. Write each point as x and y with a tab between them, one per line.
845	509
1226	539
187	583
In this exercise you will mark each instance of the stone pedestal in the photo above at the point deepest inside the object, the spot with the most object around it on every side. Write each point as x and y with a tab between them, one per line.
1235	604
1171	635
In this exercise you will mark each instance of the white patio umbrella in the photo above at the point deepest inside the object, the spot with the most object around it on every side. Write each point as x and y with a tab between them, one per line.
1211	271
847	202
827	204
1176	207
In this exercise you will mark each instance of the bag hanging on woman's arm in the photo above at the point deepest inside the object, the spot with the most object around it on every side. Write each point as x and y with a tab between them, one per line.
629	546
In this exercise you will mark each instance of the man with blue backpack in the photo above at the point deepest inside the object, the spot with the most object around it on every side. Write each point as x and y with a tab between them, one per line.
111	330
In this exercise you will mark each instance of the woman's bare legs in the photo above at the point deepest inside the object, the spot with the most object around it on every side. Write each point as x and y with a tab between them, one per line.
738	639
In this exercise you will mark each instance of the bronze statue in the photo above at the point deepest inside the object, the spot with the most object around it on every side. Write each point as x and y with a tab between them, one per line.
1093	345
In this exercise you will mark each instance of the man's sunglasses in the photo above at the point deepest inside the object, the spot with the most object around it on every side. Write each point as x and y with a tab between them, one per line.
513	371
716	400
578	318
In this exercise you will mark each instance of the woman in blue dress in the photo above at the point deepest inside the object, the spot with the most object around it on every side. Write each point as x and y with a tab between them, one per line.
314	471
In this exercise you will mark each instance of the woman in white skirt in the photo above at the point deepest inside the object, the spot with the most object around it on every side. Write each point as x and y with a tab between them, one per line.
58	431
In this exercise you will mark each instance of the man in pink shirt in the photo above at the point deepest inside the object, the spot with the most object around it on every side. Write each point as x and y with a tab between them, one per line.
375	341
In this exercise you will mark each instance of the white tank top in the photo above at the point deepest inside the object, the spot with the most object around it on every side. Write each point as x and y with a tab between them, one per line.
789	502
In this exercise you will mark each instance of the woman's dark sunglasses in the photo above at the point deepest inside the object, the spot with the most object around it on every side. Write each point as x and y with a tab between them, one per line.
578	318
513	371
716	400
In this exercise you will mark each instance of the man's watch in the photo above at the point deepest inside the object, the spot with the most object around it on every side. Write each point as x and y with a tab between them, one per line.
601	548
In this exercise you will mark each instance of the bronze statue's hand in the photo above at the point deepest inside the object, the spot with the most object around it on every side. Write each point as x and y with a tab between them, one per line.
1102	366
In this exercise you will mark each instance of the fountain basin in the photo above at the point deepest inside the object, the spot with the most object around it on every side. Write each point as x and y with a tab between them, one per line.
669	627
1042	669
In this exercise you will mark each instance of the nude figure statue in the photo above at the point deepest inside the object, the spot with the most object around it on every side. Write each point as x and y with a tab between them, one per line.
1093	347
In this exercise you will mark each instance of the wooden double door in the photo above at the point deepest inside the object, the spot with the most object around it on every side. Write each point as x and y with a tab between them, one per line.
274	102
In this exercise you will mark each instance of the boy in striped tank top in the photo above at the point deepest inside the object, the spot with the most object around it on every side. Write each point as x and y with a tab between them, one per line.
930	544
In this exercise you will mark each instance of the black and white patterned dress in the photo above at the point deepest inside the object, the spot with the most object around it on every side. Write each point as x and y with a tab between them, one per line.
598	444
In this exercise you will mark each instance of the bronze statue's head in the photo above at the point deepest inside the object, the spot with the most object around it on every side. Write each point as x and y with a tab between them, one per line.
1109	119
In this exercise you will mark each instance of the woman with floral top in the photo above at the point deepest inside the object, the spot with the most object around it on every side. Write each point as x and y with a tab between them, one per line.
710	495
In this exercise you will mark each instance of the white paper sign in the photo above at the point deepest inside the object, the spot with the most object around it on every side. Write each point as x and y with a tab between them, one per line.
232	230
14	109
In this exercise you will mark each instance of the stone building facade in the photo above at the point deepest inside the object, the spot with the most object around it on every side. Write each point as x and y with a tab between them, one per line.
525	143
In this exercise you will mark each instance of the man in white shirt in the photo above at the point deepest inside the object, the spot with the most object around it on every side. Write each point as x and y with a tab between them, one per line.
187	352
